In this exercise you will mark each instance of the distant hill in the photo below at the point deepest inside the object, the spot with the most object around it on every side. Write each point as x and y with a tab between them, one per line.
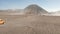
56	13
11	12
34	9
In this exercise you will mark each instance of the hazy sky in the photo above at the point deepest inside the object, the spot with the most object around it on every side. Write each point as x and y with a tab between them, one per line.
49	5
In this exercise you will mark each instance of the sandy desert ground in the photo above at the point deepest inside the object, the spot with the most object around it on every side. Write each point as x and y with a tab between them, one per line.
20	24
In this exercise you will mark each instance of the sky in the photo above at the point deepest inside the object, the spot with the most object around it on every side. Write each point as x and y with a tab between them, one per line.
49	5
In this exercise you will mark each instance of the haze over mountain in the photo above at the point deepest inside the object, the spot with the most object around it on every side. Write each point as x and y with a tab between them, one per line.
31	9
11	12
34	9
56	13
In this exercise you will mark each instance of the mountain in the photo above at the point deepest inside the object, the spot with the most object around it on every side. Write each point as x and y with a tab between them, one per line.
34	9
